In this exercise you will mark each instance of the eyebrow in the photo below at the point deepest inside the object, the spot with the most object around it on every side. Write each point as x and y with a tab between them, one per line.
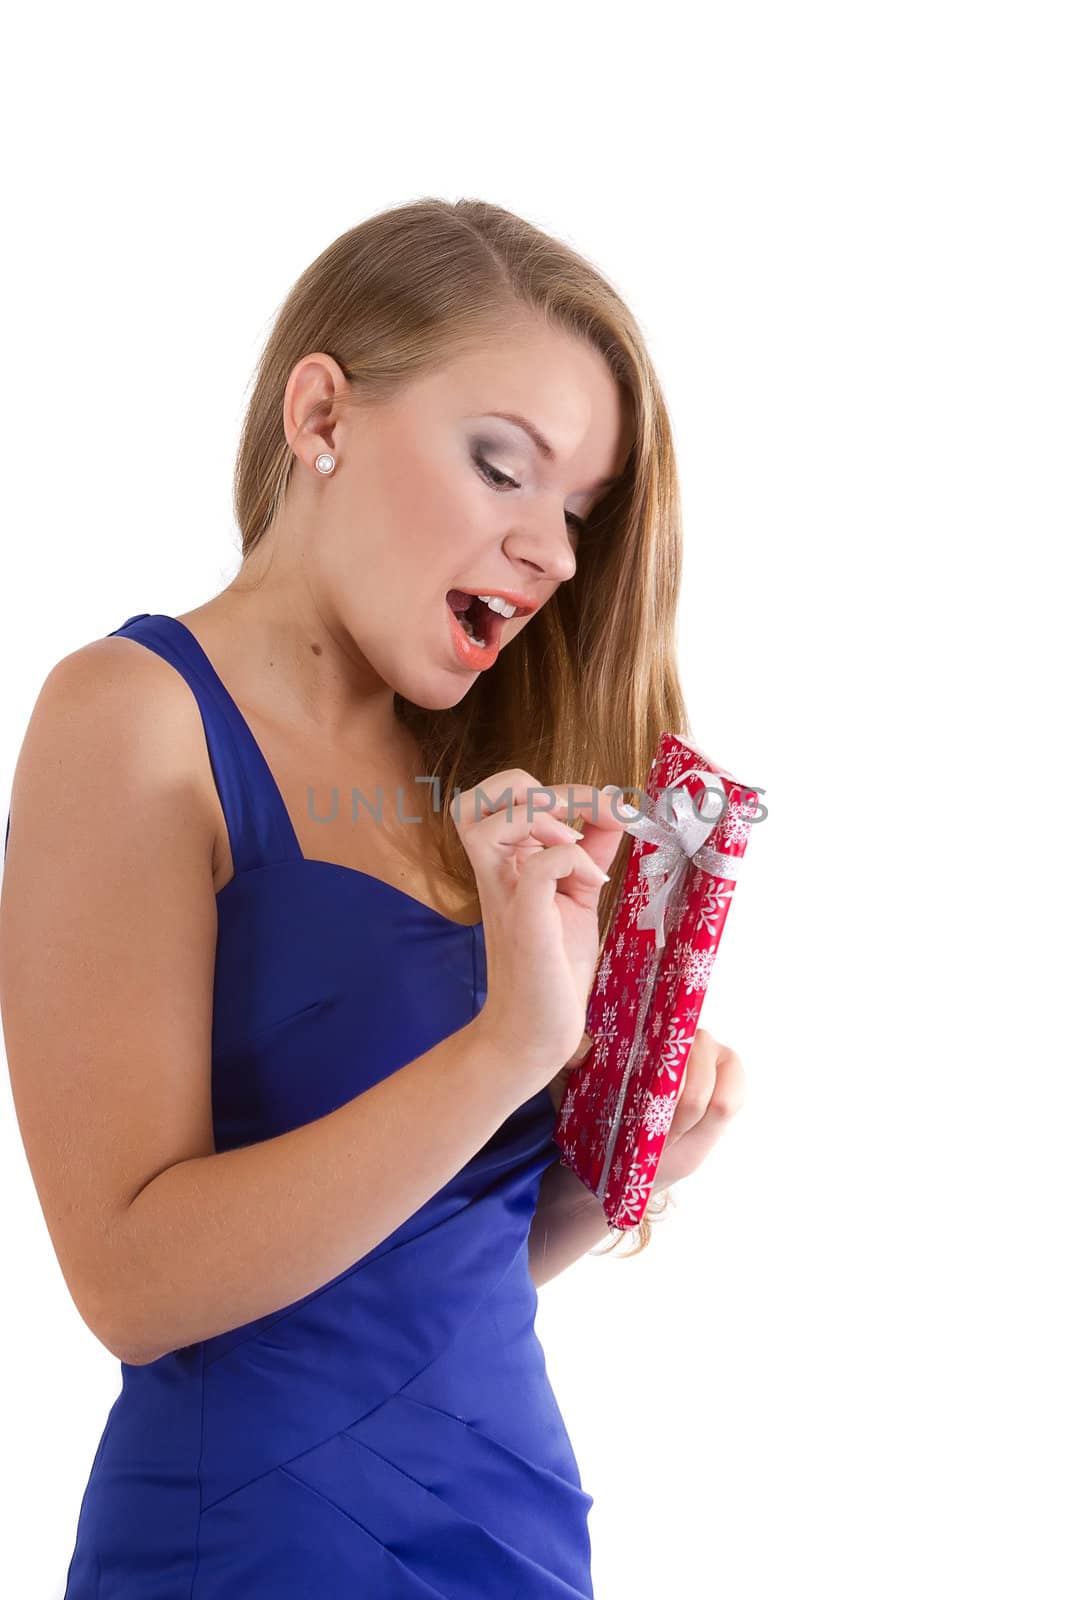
541	442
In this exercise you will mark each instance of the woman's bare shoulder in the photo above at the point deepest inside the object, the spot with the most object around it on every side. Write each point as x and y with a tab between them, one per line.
122	676
114	706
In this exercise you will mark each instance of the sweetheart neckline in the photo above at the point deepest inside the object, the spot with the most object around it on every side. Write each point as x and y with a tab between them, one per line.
302	860
339	866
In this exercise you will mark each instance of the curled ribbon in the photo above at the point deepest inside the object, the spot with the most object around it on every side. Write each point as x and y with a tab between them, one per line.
678	841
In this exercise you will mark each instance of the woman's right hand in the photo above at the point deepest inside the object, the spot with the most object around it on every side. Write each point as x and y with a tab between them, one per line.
539	884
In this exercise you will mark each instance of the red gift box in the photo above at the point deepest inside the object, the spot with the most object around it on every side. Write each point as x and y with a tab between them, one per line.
653	974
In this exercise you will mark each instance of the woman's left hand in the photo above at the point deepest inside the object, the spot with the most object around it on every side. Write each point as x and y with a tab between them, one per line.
712	1091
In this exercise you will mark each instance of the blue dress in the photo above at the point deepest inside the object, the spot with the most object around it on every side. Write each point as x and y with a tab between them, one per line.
393	1434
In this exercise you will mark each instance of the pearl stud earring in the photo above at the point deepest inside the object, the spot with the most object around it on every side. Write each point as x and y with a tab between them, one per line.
325	462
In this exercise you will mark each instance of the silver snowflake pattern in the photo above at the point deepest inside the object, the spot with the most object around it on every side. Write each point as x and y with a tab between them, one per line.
673	968
676	910
603	974
635	897
672	767
672	1050
658	1113
635	1195
712	907
645	945
609	1025
630	1116
601	1051
697	974
604	1118
736	826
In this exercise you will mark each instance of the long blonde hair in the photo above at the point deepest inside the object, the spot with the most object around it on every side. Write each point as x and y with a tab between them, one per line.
583	692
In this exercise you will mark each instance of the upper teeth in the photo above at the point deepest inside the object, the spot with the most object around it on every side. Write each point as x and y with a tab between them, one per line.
495	603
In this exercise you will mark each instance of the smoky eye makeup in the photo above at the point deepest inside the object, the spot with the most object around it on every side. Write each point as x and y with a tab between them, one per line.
485	453
484	445
499	480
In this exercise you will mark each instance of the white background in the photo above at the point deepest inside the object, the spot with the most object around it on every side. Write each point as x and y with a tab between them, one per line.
841	228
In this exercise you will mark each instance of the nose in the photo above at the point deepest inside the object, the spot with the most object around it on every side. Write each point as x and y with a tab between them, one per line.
546	550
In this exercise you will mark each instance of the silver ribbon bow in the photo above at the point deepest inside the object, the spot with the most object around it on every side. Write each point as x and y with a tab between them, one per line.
678	840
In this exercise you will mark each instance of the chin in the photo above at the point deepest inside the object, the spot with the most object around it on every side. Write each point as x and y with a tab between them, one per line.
434	692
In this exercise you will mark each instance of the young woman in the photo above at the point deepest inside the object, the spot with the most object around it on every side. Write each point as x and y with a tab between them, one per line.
290	990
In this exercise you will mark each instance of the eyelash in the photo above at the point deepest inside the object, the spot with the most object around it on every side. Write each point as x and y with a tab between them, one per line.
485	468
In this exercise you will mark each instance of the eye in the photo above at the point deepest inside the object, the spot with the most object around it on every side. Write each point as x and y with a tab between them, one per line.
501	483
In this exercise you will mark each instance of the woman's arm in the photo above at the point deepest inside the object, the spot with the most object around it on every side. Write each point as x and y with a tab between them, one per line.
216	1241
107	948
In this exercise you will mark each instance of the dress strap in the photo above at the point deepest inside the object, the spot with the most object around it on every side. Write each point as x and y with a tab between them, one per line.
261	832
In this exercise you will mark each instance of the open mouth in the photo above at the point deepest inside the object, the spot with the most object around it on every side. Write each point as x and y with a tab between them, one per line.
480	622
